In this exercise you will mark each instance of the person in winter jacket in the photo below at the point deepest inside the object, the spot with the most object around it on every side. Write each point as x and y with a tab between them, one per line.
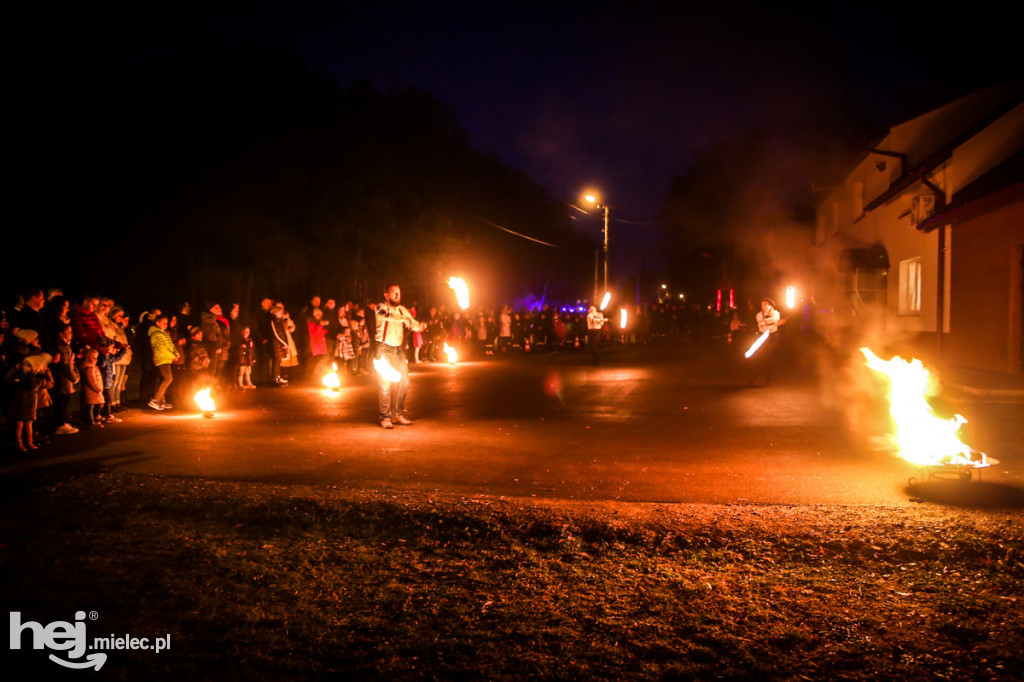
92	389
245	358
65	376
213	334
165	352
25	380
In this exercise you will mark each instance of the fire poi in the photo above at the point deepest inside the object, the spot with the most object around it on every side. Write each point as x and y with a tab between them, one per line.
921	437
623	318
606	300
331	380
461	291
206	403
453	355
386	371
757	344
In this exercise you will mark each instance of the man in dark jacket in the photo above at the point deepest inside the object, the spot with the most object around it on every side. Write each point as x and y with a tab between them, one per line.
212	336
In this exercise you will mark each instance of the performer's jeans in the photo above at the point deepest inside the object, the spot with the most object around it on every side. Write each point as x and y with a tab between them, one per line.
165	380
391	395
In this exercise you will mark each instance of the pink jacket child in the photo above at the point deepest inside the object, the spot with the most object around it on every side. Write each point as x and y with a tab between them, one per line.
92	388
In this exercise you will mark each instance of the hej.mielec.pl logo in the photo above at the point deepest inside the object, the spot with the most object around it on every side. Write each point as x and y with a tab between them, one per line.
71	638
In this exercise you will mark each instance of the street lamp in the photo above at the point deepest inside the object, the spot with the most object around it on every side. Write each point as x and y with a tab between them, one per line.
595	201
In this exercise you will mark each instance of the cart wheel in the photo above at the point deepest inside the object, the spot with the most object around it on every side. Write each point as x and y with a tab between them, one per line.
911	481
965	476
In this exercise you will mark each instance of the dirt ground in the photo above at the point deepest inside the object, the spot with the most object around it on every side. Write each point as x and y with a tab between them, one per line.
300	582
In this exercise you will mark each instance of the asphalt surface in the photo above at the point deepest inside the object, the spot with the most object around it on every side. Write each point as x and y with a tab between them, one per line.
666	423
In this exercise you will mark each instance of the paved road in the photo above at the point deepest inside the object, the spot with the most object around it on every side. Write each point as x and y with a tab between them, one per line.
654	423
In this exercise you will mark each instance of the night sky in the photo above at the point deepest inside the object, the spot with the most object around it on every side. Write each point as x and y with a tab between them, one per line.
616	96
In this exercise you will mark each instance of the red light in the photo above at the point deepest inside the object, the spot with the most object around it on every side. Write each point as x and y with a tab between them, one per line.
718	301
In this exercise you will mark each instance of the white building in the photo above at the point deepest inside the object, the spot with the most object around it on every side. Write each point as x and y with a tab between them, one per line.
920	245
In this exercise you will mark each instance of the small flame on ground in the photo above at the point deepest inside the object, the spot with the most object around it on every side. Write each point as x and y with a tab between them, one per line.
331	379
461	291
453	355
386	371
205	401
921	437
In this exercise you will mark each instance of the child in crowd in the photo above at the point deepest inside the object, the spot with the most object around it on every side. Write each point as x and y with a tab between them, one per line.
25	381
362	349
346	352
164	353
92	389
110	353
245	355
198	363
44	411
65	375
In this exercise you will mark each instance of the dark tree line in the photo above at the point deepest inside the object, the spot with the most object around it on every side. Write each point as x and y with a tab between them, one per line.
750	195
240	174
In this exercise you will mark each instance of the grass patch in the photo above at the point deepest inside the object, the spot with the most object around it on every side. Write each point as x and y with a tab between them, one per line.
275	582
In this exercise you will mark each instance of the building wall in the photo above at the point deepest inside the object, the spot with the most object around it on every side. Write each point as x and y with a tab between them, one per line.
842	223
985	306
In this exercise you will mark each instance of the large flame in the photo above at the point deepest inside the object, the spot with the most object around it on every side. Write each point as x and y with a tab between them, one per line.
606	300
623	318
205	401
453	355
386	371
921	437
461	291
330	379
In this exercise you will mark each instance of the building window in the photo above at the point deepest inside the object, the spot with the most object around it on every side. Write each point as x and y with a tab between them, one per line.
910	287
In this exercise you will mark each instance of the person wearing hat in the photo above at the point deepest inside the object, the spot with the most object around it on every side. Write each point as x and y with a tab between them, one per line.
768	320
212	333
26	379
25	342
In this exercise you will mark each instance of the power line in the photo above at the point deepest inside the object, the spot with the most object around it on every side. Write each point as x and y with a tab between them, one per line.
518	234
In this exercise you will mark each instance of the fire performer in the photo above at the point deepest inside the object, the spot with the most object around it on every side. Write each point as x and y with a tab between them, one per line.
595	321
392	319
768	321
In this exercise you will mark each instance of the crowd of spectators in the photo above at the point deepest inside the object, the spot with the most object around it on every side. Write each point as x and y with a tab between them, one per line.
67	365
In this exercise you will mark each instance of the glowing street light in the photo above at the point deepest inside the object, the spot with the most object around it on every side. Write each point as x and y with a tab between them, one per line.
596	202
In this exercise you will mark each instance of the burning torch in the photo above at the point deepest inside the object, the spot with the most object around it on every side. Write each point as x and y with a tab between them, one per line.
757	343
458	285
386	371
